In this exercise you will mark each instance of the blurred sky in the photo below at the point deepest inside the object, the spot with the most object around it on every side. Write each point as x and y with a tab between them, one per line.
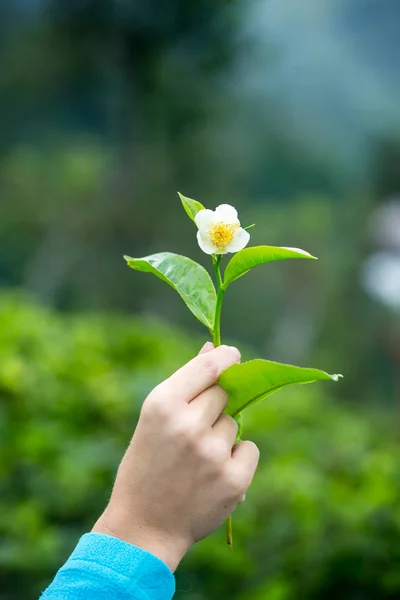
335	70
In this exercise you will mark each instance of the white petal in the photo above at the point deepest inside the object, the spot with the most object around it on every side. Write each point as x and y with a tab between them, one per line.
227	214
205	219
205	243
240	240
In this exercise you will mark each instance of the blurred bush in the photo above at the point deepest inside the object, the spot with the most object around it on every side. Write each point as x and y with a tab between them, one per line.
70	392
321	521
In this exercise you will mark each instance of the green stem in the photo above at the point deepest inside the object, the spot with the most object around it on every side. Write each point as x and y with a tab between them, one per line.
217	320
218	307
216	263
229	532
217	342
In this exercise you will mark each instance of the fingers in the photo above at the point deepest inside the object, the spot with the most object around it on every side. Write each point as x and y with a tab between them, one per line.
206	348
200	373
226	428
245	456
210	404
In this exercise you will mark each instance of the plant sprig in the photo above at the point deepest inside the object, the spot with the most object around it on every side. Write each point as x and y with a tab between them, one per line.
219	232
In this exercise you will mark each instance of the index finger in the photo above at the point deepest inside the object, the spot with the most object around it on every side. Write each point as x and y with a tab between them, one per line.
200	373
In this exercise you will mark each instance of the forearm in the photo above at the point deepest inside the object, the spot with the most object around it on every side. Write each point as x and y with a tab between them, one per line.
103	567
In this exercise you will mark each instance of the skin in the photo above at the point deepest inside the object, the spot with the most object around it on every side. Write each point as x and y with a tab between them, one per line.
182	474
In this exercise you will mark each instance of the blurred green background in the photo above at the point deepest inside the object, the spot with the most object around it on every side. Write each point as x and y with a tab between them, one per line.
289	111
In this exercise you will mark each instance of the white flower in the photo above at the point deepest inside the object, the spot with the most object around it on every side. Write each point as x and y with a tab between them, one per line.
219	230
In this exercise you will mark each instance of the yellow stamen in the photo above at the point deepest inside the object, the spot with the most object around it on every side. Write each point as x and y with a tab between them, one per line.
221	235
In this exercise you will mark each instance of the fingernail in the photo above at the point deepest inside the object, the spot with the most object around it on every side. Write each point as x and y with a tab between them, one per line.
207	347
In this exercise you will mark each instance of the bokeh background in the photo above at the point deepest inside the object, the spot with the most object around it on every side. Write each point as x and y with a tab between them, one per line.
289	111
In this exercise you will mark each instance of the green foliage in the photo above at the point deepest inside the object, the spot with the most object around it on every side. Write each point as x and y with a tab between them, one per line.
188	278
192	207
247	383
248	258
70	392
250	382
321	520
322	513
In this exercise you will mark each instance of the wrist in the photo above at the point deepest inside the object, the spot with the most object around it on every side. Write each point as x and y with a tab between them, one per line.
163	545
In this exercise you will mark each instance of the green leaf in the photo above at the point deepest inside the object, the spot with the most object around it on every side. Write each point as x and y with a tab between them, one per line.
249	382
246	259
192	207
187	277
239	421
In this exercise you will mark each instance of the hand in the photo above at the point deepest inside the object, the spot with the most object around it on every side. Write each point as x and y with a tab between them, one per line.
182	474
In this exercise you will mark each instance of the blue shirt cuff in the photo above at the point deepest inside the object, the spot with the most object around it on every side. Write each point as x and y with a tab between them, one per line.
101	564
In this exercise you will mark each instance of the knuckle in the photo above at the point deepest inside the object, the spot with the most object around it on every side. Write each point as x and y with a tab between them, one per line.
156	404
212	453
236	485
187	428
231	421
210	365
239	490
223	395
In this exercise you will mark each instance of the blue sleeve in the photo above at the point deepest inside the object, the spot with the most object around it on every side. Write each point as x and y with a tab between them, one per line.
106	568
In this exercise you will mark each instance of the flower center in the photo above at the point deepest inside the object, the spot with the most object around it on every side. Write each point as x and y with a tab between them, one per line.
221	234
